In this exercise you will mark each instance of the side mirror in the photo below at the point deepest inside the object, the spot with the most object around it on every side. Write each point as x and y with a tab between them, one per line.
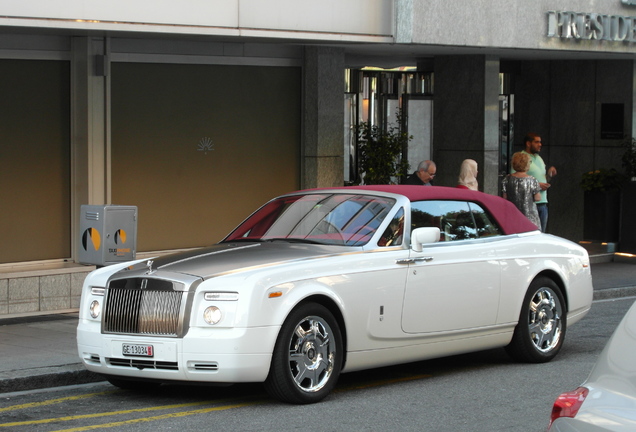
421	236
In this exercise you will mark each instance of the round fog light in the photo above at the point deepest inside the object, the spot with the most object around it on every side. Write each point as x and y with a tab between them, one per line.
95	309
212	315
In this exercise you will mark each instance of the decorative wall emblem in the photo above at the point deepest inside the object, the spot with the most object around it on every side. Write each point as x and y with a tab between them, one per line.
206	145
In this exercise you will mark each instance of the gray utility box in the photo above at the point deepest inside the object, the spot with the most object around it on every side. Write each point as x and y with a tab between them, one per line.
108	234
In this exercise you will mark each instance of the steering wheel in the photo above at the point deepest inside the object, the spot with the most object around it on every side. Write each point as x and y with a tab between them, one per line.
326	227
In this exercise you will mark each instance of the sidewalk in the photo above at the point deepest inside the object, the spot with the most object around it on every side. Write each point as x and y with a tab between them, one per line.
40	351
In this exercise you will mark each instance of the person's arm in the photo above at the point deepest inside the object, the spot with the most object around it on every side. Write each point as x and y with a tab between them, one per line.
552	172
538	187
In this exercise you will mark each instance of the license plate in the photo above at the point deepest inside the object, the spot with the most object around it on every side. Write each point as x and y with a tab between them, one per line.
137	350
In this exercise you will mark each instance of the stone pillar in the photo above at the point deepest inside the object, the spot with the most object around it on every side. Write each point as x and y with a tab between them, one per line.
466	118
90	135
633	99
322	162
490	167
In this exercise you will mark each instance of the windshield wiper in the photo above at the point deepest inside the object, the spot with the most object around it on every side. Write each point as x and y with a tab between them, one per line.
242	240
290	240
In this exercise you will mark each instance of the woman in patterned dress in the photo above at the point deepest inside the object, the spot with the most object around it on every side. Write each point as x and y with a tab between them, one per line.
522	189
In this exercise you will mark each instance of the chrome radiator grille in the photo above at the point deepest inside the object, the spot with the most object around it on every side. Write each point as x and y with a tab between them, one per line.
154	310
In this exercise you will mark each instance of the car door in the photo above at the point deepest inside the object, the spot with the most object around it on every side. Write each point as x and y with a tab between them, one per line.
454	284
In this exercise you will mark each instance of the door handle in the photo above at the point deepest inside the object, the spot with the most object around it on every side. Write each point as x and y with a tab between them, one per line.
414	260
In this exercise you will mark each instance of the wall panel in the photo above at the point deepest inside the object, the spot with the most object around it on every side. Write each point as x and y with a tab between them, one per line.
34	160
197	147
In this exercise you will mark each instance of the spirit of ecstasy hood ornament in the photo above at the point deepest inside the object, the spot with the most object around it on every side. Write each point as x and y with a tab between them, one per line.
149	265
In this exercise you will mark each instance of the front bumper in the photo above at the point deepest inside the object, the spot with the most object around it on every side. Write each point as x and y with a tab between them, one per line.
204	355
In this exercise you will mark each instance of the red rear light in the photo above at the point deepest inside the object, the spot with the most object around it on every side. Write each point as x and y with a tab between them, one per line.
568	404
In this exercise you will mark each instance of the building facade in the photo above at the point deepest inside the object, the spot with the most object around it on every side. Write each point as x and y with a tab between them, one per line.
197	112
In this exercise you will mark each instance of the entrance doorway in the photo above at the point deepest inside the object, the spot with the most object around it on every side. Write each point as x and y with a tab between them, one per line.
378	96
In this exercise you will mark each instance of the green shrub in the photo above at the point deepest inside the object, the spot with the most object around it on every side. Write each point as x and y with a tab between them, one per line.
380	152
602	180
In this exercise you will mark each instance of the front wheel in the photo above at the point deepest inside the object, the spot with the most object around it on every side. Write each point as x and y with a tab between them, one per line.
540	331
307	357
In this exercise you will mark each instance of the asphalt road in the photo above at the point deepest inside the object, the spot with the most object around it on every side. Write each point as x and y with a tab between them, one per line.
484	391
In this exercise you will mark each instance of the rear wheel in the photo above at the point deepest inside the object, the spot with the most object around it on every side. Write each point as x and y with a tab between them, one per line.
307	357
540	331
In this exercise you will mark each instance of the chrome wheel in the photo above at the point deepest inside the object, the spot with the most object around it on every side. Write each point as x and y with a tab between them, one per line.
544	320
307	358
540	332
311	354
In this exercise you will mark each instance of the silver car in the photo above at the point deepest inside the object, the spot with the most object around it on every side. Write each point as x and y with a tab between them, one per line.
606	401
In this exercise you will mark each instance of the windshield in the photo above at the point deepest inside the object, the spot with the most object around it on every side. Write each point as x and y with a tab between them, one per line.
341	219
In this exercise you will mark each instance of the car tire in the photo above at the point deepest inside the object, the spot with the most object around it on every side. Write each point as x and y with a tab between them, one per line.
540	332
307	358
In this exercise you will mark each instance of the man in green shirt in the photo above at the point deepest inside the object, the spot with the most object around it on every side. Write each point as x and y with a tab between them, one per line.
538	170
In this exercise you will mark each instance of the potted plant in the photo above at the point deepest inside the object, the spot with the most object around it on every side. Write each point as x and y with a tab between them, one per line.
602	180
601	206
381	152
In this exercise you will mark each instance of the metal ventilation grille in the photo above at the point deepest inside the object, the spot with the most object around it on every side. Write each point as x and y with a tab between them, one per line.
142	364
142	311
206	366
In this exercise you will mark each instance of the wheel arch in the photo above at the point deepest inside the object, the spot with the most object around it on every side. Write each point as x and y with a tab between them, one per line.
558	279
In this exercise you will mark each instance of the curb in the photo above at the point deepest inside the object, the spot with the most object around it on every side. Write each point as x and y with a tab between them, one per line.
55	376
614	293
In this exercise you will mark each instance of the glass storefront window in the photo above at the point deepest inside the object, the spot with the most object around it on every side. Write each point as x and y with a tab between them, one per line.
376	96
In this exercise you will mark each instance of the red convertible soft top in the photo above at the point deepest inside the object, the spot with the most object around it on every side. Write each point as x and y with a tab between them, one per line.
509	218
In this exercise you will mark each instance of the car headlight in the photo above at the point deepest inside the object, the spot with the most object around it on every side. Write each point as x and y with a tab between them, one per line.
95	308
212	315
222	310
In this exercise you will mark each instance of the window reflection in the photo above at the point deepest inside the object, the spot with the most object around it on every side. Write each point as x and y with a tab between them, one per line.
340	219
393	234
456	220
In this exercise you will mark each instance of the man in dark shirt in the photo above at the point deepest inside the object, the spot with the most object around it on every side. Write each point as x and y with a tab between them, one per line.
425	173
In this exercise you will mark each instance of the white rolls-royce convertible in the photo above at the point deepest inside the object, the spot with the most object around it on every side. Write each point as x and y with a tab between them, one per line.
325	281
